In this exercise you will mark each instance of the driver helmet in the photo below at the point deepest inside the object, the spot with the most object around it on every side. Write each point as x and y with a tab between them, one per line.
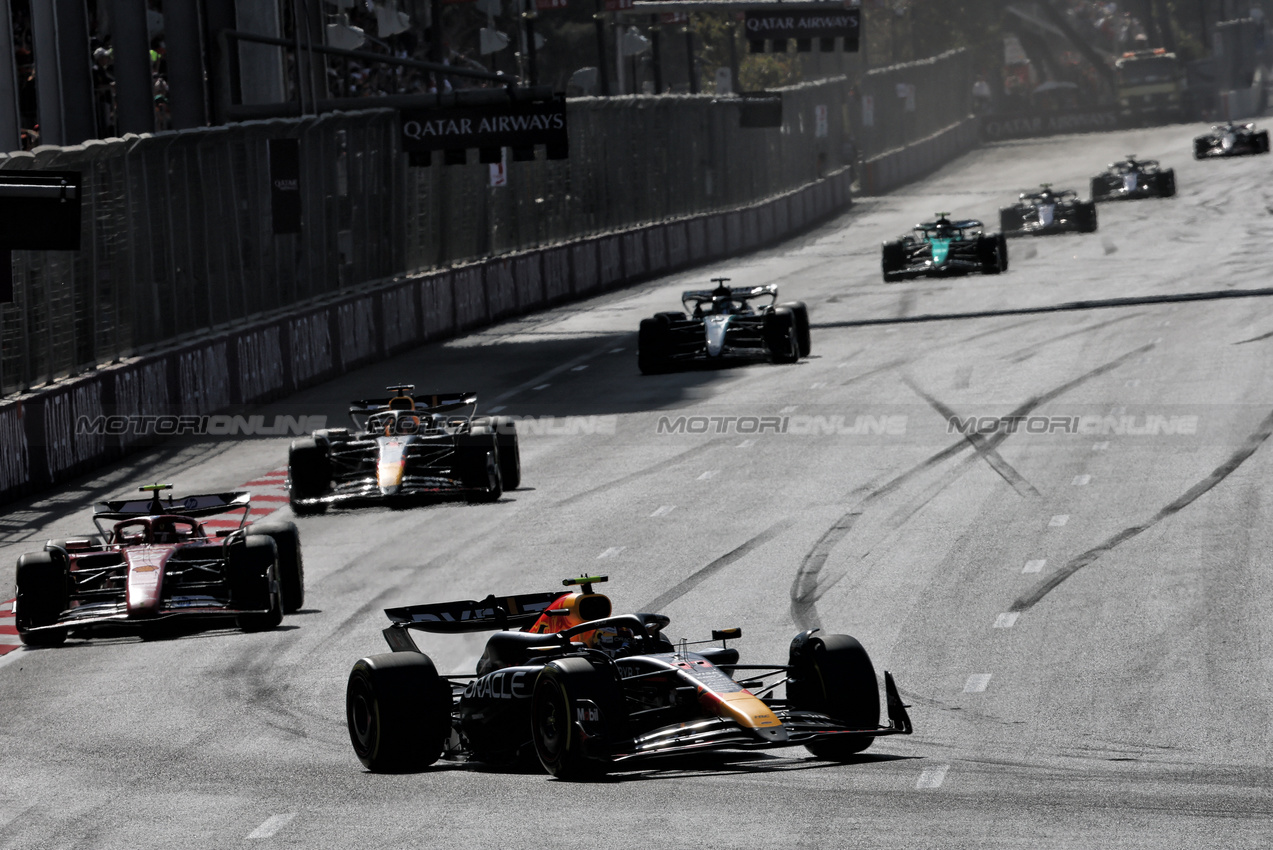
408	424
722	304
613	641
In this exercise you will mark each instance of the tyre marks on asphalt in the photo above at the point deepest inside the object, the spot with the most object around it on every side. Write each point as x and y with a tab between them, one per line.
1023	354
1223	471
807	587
703	574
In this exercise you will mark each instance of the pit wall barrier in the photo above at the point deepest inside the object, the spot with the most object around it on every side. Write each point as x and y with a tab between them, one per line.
307	344
899	166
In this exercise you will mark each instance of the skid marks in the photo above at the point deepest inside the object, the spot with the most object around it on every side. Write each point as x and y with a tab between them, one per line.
808	587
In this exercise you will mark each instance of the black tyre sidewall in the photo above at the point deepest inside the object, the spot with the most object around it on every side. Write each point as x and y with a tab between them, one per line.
833	674
291	562
398	712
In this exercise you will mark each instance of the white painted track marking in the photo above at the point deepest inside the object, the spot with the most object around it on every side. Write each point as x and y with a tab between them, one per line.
663	510
543	386
711	473
977	683
611	552
272	825
616	351
1035	566
820	385
791	408
746	444
496	409
1081	480
1101	446
932	777
1058	520
1134	382
1006	620
579	368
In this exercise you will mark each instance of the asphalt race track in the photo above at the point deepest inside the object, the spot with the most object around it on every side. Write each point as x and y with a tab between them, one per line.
1076	607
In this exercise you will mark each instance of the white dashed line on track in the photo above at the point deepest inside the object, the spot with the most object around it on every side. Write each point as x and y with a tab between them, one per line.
272	825
932	777
1101	446
663	510
1035	566
820	385
542	387
711	473
1134	382
1117	410
611	552
746	444
1006	620
496	409
1081	480
791	408
616	351
977	683
1058	520
579	368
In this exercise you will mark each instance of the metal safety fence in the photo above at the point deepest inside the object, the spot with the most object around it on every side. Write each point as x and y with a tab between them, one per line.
177	239
902	104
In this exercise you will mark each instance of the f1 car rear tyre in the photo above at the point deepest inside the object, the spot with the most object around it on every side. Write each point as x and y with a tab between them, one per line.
801	313
398	710
893	260
653	347
291	564
1262	141
1100	191
832	674
670	317
1166	181
252	568
577	710
781	337
41	598
309	475
510	456
992	253
1200	147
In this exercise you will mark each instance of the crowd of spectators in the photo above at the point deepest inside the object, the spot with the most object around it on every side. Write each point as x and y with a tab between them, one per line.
1111	28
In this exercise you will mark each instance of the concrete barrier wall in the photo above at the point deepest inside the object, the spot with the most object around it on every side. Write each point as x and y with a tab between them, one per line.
894	168
266	360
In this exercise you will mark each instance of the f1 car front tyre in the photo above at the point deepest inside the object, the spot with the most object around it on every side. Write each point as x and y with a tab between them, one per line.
309	475
653	347
992	253
291	565
1201	146
577	711
781	336
801	313
1166	183
41	598
832	674
510	455
482	473
893	261
1010	219
1100	189
398	710
252	568
1261	141
1085	214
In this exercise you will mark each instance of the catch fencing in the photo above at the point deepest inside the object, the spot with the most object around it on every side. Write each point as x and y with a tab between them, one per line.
177	238
902	104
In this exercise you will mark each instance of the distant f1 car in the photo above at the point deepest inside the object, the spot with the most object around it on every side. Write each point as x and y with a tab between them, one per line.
722	324
944	247
585	691
400	447
1047	211
1132	178
156	562
1231	139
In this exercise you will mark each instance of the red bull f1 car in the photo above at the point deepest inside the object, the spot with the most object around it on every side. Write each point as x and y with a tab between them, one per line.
1231	139
1130	179
943	247
154	562
1048	211
722	324
565	681
406	446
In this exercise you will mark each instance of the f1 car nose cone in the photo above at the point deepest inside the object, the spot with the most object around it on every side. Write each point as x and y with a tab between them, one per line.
773	734
715	327
390	489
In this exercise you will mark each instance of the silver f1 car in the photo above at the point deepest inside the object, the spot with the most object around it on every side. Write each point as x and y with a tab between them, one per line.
403	446
1131	179
722	324
157	561
585	691
1231	139
943	247
1047	211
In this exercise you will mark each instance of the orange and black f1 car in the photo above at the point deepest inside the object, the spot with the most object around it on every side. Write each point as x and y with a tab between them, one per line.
585	692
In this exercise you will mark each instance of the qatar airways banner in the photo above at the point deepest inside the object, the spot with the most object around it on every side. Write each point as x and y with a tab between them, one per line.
804	25
520	125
